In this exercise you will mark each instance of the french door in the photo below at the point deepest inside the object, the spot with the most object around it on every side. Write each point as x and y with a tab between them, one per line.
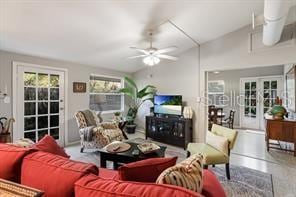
40	103
259	95
250	105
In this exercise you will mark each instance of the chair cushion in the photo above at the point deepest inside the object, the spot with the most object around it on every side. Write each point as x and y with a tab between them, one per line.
230	134
53	174
211	185
211	155
219	142
48	144
146	170
94	186
11	161
187	174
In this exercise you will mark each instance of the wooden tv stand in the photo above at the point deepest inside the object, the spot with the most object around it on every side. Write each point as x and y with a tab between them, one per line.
280	130
170	130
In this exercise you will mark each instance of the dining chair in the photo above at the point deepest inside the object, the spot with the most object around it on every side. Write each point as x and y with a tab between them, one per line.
229	121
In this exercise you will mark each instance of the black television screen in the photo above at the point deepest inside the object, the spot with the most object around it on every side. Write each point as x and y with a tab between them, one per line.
168	104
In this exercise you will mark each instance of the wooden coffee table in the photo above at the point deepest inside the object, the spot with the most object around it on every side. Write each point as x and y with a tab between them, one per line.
127	156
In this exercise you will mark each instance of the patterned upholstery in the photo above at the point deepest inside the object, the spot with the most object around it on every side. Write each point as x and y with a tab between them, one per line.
102	134
187	174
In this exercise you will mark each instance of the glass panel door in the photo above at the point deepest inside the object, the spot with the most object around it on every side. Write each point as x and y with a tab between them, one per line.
41	103
249	108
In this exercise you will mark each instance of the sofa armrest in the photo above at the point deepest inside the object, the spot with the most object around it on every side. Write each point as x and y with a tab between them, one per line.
84	130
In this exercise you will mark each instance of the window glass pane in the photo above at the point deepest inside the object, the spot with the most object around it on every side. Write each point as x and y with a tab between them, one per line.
253	85
54	80
266	84
30	108
54	133
274	85
30	135
42	133
30	94
266	94
43	80
105	102
30	123
54	93
29	79
54	121
42	122
247	86
42	93
253	112
54	107
42	108
104	85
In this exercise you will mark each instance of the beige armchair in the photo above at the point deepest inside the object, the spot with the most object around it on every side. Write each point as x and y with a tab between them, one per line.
217	148
96	134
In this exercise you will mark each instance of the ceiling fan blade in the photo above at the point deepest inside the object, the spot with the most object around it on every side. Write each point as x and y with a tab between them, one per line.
166	50
140	50
167	57
137	56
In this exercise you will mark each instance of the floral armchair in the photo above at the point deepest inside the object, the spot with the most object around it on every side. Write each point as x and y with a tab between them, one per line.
96	134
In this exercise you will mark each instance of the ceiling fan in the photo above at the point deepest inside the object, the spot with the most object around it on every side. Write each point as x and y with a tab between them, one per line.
153	55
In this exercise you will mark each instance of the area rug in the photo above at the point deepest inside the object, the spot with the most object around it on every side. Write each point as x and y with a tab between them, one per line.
245	182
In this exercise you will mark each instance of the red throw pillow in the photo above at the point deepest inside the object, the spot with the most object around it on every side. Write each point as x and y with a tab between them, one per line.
146	170
11	158
48	144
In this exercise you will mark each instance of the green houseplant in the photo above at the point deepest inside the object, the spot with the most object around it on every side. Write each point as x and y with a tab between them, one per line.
137	98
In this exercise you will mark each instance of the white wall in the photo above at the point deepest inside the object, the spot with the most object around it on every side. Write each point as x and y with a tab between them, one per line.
76	72
180	77
232	78
231	52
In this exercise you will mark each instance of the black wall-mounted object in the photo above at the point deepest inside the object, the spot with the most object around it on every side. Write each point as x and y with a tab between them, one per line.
170	130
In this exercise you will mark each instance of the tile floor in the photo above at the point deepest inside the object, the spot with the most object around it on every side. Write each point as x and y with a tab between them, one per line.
250	152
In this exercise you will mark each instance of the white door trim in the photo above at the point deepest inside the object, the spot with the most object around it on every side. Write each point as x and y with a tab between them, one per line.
15	65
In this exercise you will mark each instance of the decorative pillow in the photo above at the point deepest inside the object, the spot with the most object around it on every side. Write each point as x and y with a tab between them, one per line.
187	174
48	144
146	170
24	143
108	125
218	142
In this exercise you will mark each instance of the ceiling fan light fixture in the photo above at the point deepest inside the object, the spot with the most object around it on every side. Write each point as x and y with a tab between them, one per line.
151	60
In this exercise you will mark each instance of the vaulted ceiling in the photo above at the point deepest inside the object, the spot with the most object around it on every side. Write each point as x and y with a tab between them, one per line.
99	33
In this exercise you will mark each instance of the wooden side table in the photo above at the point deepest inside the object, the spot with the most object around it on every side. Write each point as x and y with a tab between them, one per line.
5	138
280	130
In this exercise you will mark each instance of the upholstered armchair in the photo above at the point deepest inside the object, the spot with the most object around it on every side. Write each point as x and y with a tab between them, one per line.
217	148
94	133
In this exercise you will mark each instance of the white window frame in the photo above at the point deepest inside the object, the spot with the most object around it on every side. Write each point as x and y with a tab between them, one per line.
121	94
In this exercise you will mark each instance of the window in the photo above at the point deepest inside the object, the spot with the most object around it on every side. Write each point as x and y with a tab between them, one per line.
104	95
216	92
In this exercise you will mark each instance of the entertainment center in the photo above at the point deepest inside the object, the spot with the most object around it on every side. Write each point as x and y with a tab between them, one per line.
167	124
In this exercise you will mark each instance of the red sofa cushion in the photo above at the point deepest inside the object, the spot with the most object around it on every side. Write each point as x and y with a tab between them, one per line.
10	161
108	174
55	175
146	170
211	185
93	186
48	144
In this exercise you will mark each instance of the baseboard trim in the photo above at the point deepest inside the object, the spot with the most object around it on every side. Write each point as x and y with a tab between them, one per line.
140	130
73	143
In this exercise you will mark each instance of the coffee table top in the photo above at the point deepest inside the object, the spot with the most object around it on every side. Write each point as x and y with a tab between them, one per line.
128	153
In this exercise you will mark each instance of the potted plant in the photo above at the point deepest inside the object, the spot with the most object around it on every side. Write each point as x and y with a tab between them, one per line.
137	98
117	116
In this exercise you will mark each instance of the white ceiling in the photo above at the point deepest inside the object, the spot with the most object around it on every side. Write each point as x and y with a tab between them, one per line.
99	33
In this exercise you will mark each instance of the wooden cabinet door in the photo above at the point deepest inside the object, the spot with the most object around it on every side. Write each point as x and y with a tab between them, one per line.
275	130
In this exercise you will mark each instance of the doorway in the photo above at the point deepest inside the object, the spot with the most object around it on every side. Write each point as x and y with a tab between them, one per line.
39	102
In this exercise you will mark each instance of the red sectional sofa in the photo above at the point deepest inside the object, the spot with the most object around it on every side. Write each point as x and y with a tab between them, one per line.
59	176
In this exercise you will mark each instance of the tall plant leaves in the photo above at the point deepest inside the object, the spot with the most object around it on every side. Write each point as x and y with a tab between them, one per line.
131	83
149	89
128	91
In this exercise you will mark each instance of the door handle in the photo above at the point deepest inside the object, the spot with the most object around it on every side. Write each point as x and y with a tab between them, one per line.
61	108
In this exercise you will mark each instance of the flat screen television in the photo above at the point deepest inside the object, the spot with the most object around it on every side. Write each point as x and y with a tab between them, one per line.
168	104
